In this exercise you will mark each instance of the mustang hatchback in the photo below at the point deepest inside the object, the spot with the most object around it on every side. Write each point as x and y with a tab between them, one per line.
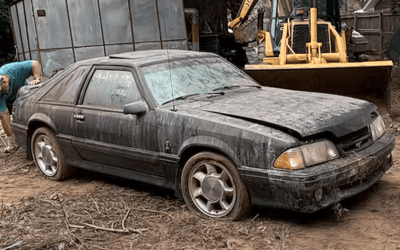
194	123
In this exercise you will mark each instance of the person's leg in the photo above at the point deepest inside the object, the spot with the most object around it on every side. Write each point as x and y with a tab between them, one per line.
6	123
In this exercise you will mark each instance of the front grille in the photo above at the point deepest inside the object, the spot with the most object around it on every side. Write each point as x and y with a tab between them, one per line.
323	37
355	141
302	36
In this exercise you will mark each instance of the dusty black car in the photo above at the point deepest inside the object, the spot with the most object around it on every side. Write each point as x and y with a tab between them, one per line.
194	123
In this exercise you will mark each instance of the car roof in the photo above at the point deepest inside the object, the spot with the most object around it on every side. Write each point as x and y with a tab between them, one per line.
148	57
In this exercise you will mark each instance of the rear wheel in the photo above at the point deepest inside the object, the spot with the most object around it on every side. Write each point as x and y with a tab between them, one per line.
212	187
48	155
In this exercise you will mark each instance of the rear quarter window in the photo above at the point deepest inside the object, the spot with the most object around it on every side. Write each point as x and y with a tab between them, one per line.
65	90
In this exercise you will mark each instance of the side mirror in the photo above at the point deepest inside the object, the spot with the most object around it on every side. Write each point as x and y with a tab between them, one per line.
136	108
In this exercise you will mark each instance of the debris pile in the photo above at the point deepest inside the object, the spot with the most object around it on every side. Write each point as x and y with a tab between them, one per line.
120	218
395	128
394	108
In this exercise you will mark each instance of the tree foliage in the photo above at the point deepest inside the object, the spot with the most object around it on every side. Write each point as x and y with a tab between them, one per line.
7	52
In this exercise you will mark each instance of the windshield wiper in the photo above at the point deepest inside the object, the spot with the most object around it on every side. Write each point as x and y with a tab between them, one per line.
236	86
189	95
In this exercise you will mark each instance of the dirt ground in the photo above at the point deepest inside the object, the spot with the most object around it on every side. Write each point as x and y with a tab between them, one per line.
36	213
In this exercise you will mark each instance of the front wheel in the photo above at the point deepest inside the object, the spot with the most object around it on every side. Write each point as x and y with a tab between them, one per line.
48	155
213	188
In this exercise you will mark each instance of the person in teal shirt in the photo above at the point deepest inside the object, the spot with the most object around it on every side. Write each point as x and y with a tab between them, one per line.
12	77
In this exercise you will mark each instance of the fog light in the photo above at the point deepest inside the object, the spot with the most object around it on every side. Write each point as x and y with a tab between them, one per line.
318	194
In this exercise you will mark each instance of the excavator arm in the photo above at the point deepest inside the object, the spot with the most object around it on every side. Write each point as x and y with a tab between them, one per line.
244	32
243	14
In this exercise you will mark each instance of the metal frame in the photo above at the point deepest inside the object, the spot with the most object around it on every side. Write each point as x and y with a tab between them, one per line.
12	28
159	24
19	28
130	16
163	43
70	30
14	3
27	35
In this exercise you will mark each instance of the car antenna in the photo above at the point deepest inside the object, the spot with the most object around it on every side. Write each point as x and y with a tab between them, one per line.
169	67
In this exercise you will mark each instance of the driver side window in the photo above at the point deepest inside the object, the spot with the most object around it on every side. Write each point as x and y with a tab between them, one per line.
111	89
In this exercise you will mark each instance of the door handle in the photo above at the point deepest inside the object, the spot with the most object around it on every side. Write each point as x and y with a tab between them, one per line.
79	117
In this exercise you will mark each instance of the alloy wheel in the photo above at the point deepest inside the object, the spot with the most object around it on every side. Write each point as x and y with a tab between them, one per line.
46	157
212	188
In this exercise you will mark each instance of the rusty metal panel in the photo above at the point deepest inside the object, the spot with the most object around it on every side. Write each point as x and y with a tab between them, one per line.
30	27
22	25
145	21
56	59
147	46
116	49
53	28
116	21
85	22
88	52
171	19
16	27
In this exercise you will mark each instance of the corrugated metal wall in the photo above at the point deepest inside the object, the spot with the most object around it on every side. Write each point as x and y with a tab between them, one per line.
72	30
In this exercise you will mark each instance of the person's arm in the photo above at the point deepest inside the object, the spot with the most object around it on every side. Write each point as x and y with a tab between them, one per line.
36	73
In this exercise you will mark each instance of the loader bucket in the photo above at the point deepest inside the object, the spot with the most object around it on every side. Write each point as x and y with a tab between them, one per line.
355	79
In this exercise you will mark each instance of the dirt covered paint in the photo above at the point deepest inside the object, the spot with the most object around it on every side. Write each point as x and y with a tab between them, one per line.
303	112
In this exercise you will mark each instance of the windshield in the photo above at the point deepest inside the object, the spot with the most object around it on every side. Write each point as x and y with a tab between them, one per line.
192	76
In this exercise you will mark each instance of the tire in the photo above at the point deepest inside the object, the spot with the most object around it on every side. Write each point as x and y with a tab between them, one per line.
213	188
48	155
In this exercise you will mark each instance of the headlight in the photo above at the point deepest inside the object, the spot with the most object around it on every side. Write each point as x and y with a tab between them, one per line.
307	155
377	128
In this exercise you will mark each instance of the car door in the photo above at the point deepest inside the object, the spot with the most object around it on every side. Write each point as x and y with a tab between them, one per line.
104	134
59	104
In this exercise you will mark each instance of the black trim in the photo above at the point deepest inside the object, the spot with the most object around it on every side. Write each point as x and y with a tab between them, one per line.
123	173
117	150
169	158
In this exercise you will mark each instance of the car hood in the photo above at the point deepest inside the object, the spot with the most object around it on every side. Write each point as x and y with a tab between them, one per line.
299	113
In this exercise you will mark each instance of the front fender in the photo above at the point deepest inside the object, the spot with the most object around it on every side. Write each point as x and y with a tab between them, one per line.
209	142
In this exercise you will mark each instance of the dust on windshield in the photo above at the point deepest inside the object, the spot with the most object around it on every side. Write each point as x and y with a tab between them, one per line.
167	81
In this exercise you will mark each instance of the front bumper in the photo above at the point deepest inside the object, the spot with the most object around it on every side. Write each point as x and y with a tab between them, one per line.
339	179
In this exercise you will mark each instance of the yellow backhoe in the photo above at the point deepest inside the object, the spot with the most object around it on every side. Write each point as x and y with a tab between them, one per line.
301	52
